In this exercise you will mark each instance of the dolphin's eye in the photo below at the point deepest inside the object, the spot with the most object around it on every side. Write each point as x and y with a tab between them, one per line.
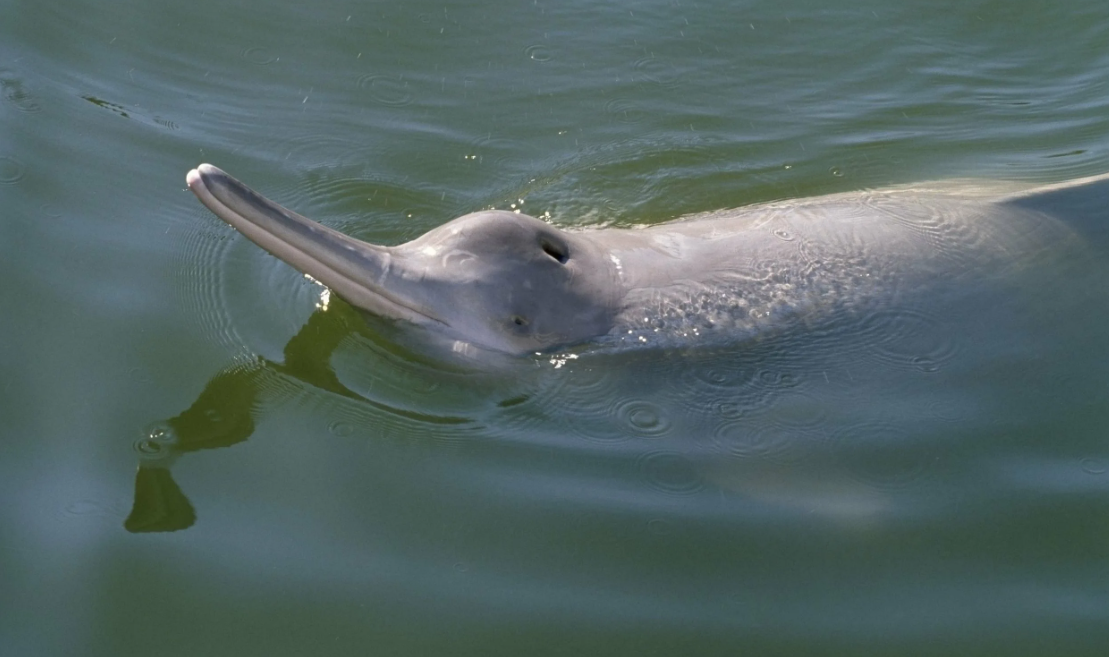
519	321
554	249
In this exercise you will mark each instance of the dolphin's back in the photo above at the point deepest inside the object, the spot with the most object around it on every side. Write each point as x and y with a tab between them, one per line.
1082	205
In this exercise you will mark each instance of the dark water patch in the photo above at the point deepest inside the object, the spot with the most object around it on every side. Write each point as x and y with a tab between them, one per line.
112	107
133	112
513	401
1079	151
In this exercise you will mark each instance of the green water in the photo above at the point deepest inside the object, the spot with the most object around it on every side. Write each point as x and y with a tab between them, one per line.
334	494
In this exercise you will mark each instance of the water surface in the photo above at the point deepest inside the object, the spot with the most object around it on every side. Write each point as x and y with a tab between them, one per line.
914	491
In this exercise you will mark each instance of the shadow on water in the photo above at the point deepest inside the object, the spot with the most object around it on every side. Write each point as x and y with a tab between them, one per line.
224	415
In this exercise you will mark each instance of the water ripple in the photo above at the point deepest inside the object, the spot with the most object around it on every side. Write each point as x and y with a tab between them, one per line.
538	52
496	150
13	91
314	151
1094	466
201	283
774	443
656	70
908	338
11	170
259	55
624	110
386	90
644	418
670	472
882	454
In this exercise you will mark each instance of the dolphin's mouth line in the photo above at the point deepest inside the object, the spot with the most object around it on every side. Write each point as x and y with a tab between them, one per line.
326	255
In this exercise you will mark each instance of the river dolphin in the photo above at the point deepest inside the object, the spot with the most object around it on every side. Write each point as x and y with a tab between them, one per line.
511	283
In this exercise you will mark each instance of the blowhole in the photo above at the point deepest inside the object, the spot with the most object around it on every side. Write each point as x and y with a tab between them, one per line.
557	251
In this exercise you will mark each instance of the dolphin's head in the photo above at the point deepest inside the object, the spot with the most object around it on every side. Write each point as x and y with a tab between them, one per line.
496	280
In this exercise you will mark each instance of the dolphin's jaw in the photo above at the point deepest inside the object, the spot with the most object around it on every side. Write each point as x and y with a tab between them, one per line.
355	270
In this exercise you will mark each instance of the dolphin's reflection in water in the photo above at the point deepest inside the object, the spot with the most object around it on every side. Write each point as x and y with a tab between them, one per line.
224	414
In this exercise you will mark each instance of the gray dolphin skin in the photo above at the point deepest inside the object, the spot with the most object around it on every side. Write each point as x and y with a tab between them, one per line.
511	283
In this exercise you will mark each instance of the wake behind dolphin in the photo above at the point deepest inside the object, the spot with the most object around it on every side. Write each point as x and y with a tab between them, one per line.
510	283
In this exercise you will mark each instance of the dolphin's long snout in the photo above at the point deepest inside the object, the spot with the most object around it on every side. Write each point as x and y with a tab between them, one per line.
355	270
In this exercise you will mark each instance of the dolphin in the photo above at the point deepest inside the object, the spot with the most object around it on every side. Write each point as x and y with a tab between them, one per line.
507	282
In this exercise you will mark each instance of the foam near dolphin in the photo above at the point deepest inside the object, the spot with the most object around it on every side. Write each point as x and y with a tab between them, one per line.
511	283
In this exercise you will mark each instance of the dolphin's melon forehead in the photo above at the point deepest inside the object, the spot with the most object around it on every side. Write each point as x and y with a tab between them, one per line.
492	220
